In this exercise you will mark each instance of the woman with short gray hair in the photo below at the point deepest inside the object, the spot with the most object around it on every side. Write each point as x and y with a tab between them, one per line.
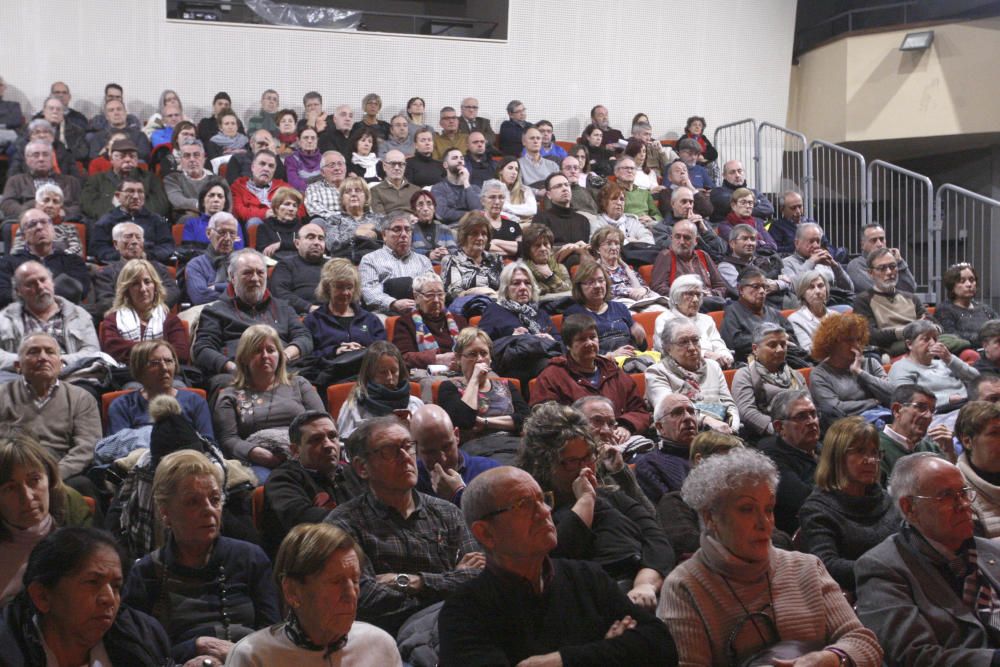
733	601
506	231
812	291
686	294
764	376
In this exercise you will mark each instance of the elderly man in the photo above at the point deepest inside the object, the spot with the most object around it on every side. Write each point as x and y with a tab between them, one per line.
638	202
582	200
323	195
72	279
534	167
743	252
252	194
873	238
270	104
570	230
129	241
794	449
69	134
887	308
163	132
783	229
734	178
470	121
682	208
517	611
116	116
450	136
399	137
986	387
19	191
337	136
455	195
206	275
419	549
240	164
810	255
63	417
912	410
665	468
295	278
682	258
443	470
477	159
131	197
688	154
308	484
387	274
511	130
675	176
658	156
394	191
61	92
223	322
599	116
183	186
99	192
928	592
742	317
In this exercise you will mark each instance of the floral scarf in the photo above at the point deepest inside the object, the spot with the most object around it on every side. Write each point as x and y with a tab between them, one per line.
425	338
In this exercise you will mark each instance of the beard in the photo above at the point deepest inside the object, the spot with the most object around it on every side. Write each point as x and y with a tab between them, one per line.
250	295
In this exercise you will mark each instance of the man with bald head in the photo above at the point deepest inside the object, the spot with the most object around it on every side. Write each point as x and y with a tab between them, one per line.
682	258
394	191
295	277
527	608
337	135
72	279
443	470
19	191
129	241
665	468
734	178
61	92
470	121
681	201
478	159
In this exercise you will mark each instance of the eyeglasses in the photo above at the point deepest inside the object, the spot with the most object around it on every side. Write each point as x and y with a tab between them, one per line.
331	165
399	231
745	202
476	354
449	117
884	268
225	233
965	494
523	505
803	417
392	452
469	106
594	282
160	363
694	341
754	286
576	462
432	295
922	408
395	164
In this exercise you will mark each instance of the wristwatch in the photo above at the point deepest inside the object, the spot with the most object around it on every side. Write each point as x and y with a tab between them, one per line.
402	582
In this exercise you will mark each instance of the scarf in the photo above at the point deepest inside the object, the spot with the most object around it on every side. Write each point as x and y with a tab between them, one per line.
525	312
298	636
691	380
263	194
783	378
700	268
130	325
230	144
381	400
369	162
310	164
722	561
288	139
425	339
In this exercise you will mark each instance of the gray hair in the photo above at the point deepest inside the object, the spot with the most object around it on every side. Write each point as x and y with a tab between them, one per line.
118	230
425	279
26	340
875	254
400	115
804	227
53	98
235	258
357	442
579	403
918	328
492	184
392	216
804	280
508	274
38	142
670	329
782	402
222	216
641	126
765	329
513	104
786	193
191	141
904	479
741	228
48	188
16	282
714	482
689	282
677	194
40	124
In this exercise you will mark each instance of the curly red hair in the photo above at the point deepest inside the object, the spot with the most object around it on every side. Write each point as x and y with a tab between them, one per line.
837	327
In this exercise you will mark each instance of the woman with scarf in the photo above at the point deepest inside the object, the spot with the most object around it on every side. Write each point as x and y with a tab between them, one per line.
288	134
383	388
427	334
695	129
764	376
276	234
228	140
536	253
625	285
49	198
686	293
741	205
683	370
303	165
364	156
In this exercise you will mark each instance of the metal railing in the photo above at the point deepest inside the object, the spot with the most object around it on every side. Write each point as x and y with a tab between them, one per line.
738	141
782	160
836	192
966	232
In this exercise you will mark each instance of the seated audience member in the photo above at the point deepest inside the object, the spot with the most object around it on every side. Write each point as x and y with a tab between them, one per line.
534	167
478	159
570	230
450	135
182	186
646	178
519	204
241	164
810	255
399	138
336	135
277	232
166	161
922	590
355	219
733	179
873	238
683	370
20	191
261	398
960	315
601	159
207	590
752	310
323	194
692	155
683	258
582	200
35	503
207	274
611	200
426	335
625	285
11	118
657	155
986	387
310	482
364	162
768	373
208	127
506	230
139	312
382	389
744	252
64	156
664	469
682	207
443	470
422	169
929	364
512	129
455	196
387	273
430	237
741	204
296	276
910	431
318	572
783	229
845	382
286	137
794	448
479	404
266	118
129	241
158	239
303	165
389	518
473	269
618	334
536	252
154	365
675	175
686	294
812	292
71	603
393	191
49	199
470	121
100	191
550	149
116	119
638	201
252	194
63	417
372	105
213	197
976	429
733	495
67	270
247	302
989	338
847	513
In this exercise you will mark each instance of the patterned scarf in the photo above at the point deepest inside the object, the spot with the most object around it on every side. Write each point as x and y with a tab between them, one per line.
230	144
783	378
525	312
129	324
298	636
426	339
692	380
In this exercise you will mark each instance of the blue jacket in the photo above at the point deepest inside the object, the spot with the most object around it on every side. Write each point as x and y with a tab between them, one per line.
700	178
158	237
328	334
132	411
471	466
202	286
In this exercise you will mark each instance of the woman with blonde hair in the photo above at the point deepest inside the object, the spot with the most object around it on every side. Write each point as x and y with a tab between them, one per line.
520	203
355	218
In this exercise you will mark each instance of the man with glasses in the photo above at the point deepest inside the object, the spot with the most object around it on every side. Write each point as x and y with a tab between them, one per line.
527	608
638	202
734	178
394	191
450	136
455	195
511	130
683	258
743	253
206	275
60	91
387	273
100	191
931	592
570	229
582	200
794	450
131	196
19	190
534	167
71	277
418	549
742	318
811	255
295	278
665	468
912	411
872	239
887	308
470	121
443	470
323	195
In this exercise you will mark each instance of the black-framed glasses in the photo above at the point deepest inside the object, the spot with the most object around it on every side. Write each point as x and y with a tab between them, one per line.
803	417
392	452
966	494
922	408
523	505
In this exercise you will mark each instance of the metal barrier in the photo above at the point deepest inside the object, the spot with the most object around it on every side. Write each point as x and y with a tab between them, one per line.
966	232
902	201
836	192
783	161
738	141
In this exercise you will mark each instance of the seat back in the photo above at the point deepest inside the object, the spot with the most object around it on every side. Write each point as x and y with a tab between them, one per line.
108	398
648	322
336	396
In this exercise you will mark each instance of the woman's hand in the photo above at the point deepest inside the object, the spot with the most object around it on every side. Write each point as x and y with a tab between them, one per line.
266	458
637	293
643	595
618	628
271	249
520	331
585	484
438	253
724	360
367	230
623	351
611	459
212	647
822	658
938	349
856	364
480	374
347	347
446	359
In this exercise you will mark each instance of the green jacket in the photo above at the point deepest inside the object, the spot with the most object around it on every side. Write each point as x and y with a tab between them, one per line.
892	452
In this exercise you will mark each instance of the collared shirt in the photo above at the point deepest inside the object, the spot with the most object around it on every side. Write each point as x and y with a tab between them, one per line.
381	265
322	199
899	439
55	326
40	401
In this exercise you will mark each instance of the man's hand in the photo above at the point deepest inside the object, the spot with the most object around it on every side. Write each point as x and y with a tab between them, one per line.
895	255
403	306
547	660
716	424
463	177
643	595
264	457
611	459
814	659
943	438
621	434
217	649
446	483
473	560
618	628
585	484
269	250
347	347
292	352
446	359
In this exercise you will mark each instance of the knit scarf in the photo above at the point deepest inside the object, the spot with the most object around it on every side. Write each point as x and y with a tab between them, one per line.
783	378
230	144
369	162
722	561
298	636
525	312
288	139
310	164
129	324
381	400
263	194
425	339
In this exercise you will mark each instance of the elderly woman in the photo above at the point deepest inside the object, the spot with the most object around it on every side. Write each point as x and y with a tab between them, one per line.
978	430
611	201
139	313
364	160
71	612
744	316
626	286
287	137
593	522
318	569
848	513
49	198
767	374
812	291
846	382
738	595
584	372
473	269
276	234
519	204
155	125
683	370
303	165
208	591
477	403
506	230
536	253
961	315
619	334
383	388
741	205
33	503
214	197
695	129
261	398
228	140
427	334
430	237
686	293
356	217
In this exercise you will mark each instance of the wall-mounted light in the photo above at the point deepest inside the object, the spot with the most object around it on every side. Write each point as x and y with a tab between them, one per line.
917	41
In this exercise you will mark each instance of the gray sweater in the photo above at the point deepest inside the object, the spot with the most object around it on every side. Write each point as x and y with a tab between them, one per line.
940	378
842	394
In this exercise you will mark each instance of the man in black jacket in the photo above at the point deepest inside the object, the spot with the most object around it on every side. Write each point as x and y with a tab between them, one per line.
794	450
295	278
71	277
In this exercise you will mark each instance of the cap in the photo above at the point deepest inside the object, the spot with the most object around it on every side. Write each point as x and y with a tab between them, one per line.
124	145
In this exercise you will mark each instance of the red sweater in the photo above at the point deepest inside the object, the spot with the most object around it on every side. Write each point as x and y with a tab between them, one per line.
246	205
174	333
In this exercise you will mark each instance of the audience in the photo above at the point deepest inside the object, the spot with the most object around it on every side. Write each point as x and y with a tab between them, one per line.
733	179
20	192
422	168
207	275
683	258
303	166
506	229
101	190
393	191
277	232
443	470
426	335
129	240
323	195
960	315
552	277
872	239
182	186
743	317
812	291
768	373
252	194
296	276
473	270
664	469
794	448
624	284
989	338
570	230
355	222
382	389
744	252
910	430
387	273
810	255
929	364
213	197
131	195
519	203
430	237
71	278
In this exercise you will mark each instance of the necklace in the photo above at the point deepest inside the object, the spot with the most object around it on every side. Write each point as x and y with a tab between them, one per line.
752	617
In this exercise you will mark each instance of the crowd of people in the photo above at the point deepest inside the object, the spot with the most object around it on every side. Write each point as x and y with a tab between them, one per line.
376	393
